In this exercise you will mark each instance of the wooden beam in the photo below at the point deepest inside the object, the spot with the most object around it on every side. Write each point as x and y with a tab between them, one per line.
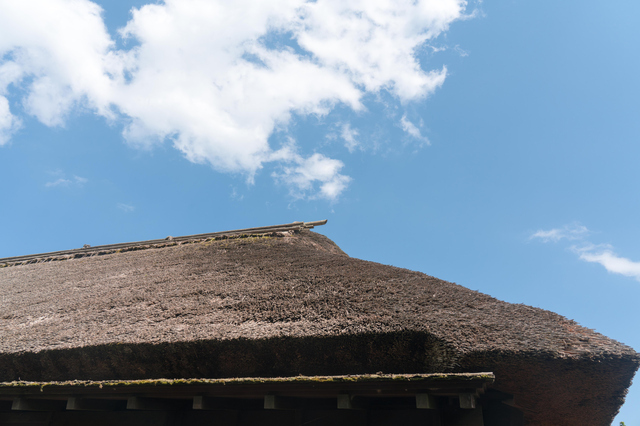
467	401
426	401
351	402
156	404
214	403
92	404
24	404
276	402
345	402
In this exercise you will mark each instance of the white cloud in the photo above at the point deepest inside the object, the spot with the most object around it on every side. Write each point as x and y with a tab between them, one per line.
80	180
59	49
349	136
127	208
217	77
58	182
303	175
460	51
8	122
62	181
605	256
601	253
574	231
412	130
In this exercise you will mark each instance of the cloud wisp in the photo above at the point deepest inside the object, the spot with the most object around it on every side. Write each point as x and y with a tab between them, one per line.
127	208
569	232
216	78
412	130
349	136
77	181
602	254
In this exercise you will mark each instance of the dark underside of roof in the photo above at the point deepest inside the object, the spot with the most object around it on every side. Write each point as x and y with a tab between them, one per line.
289	303
366	400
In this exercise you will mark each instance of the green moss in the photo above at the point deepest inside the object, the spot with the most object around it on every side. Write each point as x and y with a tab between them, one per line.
488	377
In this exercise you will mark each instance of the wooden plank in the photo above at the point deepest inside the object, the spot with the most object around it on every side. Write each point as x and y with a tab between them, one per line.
345	402
157	404
351	402
467	401
212	403
92	404
276	402
297	386
28	404
425	401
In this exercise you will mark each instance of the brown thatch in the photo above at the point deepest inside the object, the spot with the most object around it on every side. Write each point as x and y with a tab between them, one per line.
289	303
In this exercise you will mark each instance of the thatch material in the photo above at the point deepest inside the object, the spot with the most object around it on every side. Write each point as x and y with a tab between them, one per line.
288	304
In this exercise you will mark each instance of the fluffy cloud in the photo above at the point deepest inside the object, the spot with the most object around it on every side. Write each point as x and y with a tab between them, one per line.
601	253
605	256
217	78
60	52
301	174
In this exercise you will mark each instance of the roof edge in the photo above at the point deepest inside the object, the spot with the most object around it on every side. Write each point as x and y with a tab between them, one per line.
482	377
293	226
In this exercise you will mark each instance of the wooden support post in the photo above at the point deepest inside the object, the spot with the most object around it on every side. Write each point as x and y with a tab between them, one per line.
156	404
24	404
204	403
211	403
345	402
426	401
467	401
275	402
351	402
90	404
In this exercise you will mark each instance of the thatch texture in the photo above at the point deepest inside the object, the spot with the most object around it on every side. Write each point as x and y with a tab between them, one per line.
289	304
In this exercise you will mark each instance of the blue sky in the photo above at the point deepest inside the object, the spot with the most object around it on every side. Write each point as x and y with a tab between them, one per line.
493	145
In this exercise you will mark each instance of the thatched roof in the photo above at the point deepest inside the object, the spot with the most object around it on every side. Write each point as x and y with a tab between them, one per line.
289	303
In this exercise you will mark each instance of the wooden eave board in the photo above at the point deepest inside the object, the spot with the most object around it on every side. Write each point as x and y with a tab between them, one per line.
298	386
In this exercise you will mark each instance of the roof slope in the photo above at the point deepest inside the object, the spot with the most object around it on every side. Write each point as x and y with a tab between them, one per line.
289	303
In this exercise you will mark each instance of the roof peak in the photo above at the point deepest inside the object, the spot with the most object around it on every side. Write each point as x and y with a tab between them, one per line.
293	226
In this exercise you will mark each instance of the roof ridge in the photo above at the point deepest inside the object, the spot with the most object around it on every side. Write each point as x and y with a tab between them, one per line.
293	226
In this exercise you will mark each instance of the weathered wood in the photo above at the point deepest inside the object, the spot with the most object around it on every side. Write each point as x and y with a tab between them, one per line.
156	404
467	401
212	403
426	401
351	402
299	386
24	404
345	402
92	404
276	402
